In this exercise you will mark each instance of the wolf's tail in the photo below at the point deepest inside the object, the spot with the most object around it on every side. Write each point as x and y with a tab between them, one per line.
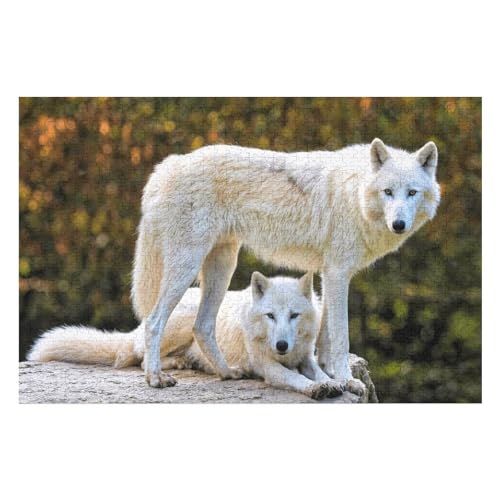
81	344
147	273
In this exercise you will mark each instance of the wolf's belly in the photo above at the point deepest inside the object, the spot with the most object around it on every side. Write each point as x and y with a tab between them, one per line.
287	238
300	258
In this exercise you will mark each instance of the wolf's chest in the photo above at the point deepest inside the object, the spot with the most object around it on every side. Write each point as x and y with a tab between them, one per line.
380	244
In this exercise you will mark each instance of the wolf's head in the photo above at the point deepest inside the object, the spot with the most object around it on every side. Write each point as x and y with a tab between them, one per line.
402	192
284	316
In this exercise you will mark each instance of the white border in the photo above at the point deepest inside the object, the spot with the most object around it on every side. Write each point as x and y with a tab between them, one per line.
257	48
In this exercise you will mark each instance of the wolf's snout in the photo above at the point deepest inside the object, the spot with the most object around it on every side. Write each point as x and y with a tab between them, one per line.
398	226
282	346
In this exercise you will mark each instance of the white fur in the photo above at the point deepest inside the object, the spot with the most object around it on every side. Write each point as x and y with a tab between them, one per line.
316	211
245	334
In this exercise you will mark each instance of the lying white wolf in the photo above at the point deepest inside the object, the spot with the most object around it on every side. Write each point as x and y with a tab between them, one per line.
329	212
269	330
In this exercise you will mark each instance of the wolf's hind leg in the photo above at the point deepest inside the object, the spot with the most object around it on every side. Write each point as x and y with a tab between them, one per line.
193	359
181	266
215	277
175	363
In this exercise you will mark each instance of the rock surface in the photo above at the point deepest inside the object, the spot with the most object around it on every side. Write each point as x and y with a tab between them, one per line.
57	382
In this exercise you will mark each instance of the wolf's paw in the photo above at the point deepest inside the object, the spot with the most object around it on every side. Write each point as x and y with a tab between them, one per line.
334	388
234	373
318	391
355	386
160	380
341	383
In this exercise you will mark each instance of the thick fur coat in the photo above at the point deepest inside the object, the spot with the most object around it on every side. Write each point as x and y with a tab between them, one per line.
329	212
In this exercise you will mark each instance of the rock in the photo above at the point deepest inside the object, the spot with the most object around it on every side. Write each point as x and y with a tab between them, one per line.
57	382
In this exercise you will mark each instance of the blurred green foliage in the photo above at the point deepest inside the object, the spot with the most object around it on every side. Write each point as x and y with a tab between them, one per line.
415	315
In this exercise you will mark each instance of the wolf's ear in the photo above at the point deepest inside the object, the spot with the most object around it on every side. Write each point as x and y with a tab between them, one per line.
306	285
427	156
259	285
378	154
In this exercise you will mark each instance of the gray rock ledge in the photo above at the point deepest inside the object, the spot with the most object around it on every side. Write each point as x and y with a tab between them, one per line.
57	382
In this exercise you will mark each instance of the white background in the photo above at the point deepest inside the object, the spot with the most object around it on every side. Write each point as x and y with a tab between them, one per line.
229	48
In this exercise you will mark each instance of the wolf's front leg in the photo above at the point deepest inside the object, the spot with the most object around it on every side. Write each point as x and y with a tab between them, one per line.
281	377
333	341
311	369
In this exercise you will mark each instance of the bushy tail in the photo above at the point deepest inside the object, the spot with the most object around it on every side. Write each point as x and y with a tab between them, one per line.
147	273
81	344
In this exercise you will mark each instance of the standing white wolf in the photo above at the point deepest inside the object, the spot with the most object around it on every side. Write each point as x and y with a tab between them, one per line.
269	330
329	212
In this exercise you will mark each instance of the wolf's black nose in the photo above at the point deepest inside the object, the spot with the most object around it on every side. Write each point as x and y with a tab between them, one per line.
282	346
398	226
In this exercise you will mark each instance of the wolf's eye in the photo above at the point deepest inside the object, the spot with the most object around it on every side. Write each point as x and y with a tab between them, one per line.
412	192
270	315
294	315
388	192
